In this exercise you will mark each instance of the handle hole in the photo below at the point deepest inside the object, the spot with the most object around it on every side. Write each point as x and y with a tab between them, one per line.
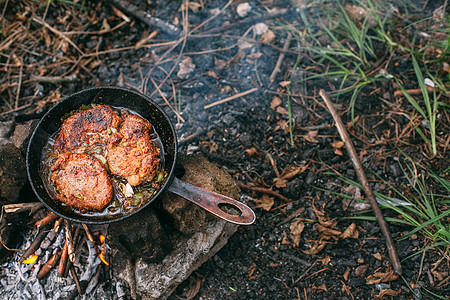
230	209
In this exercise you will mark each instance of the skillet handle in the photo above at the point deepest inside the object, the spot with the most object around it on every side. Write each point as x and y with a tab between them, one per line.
211	202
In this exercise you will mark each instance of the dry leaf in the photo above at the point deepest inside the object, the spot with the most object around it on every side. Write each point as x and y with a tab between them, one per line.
382	277
212	74
345	204
280	182
250	272
320	288
350	232
285	83
255	55
64	46
292	171
251	151
439	276
282	110
219	64
323	219
243	9
296	232
338	152
186	68
105	26
388	292
311	136
327	233
325	261
361	270
274	265
318	246
351	123
446	67
283	125
193	6
268	37
225	89
285	240
288	173
276	101
347	273
338	144
377	256
211	145
346	289
265	202
260	28
243	43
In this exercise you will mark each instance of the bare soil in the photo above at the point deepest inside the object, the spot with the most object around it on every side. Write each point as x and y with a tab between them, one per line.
50	52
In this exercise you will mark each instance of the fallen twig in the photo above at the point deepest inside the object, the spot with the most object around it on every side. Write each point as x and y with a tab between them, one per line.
20	207
46	220
57	32
55	79
231	98
306	272
277	68
51	263
77	282
69	240
262	190
250	20
63	260
364	182
399	93
35	244
192	136
145	17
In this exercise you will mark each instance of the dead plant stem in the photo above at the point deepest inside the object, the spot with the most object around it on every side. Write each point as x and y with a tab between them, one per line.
262	190
231	98
277	68
364	182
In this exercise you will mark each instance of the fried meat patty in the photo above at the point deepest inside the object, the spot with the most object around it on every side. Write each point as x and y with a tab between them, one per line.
86	128
81	181
131	153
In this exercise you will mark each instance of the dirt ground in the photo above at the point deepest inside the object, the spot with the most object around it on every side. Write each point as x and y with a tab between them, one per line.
211	64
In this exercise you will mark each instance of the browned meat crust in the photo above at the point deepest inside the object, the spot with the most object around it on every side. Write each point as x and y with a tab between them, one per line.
81	181
131	153
88	127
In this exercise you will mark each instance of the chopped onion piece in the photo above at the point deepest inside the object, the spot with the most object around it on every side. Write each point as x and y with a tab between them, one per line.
128	190
101	158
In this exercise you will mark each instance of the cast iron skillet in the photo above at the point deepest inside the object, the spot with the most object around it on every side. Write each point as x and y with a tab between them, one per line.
143	105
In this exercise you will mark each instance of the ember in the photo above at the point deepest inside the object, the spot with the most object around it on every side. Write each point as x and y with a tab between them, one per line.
31	259
102	258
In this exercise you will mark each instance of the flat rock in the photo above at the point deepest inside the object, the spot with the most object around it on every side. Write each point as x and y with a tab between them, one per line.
12	173
196	235
22	134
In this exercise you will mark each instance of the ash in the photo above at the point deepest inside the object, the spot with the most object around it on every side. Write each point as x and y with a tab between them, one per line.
19	280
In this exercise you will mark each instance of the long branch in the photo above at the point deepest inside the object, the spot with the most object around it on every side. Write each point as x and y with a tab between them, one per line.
365	183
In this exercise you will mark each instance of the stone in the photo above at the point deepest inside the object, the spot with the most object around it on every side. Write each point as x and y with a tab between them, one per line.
140	237
22	134
6	129
187	217
196	235
13	174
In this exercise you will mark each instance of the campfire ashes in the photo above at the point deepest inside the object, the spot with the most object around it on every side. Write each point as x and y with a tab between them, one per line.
146	256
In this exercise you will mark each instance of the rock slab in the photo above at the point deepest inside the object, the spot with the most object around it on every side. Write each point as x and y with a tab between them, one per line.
195	235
